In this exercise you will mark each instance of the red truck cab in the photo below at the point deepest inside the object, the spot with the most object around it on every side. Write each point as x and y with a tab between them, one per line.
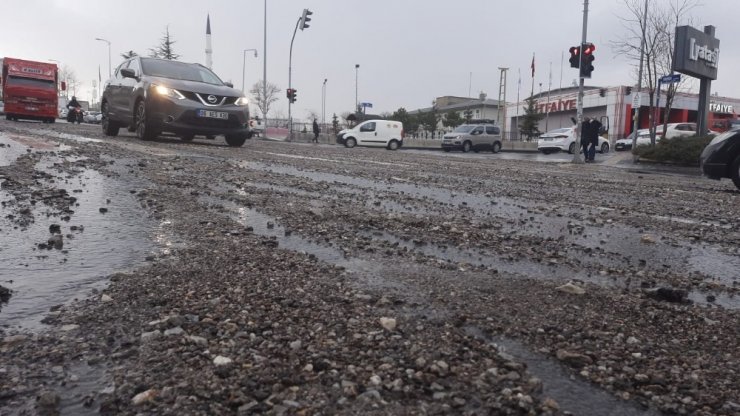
30	90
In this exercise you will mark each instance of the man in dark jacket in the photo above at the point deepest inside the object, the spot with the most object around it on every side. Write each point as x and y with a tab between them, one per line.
590	138
315	131
585	136
595	129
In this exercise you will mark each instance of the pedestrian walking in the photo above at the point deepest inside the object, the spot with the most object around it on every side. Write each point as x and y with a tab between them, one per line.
316	131
585	136
595	128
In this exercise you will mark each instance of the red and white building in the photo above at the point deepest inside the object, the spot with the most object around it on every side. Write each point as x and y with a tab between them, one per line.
613	106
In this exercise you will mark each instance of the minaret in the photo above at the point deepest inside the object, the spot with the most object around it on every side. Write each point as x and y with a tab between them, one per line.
209	51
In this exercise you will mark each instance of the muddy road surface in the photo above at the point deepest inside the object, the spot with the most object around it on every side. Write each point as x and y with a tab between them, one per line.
164	277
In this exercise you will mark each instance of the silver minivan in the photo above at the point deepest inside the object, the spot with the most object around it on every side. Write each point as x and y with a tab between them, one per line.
475	137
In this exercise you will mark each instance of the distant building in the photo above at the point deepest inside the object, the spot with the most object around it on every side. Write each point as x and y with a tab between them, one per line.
477	109
613	106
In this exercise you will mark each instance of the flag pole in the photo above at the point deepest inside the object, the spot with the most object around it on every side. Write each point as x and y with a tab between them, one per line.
531	92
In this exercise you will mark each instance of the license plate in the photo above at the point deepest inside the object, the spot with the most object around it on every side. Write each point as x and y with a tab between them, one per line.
213	114
547	139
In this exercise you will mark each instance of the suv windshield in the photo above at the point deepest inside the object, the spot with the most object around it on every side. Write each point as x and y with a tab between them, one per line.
464	129
179	70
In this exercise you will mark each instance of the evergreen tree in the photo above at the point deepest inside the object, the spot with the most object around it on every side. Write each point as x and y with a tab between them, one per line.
468	115
452	119
530	120
164	50
335	123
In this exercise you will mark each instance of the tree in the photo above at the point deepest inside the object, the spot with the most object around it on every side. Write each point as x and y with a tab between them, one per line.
452	119
429	119
657	27
335	123
264	99
69	77
530	120
468	115
164	49
409	121
129	54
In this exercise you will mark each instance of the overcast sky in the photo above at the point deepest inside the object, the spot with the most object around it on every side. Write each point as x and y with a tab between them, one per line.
409	51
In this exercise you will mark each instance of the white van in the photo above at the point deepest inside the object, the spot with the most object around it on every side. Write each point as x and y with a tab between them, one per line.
374	133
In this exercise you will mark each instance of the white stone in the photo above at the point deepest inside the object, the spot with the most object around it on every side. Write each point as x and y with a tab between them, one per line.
388	323
106	298
144	397
221	360
69	327
571	288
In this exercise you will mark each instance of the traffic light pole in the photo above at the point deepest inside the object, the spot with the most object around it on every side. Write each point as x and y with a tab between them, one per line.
576	154
290	79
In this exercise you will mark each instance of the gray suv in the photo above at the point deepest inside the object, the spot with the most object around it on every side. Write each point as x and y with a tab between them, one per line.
475	137
150	96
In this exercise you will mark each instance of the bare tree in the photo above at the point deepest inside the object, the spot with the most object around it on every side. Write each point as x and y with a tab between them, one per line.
657	27
673	17
264	100
69	77
312	115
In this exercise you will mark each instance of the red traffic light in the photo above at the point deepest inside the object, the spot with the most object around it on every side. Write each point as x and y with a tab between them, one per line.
575	58
588	48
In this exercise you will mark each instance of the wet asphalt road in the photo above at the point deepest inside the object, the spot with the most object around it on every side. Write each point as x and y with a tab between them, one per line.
471	238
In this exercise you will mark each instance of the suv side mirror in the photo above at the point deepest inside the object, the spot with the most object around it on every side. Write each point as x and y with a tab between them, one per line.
228	84
128	73
64	86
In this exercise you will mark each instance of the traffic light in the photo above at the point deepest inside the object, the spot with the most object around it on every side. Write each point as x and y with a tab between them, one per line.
291	94
305	19
588	59
575	59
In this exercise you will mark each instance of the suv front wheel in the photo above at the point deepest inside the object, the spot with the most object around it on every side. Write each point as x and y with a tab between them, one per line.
144	129
235	140
110	128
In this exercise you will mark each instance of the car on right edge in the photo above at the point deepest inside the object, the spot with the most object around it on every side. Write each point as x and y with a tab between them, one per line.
721	158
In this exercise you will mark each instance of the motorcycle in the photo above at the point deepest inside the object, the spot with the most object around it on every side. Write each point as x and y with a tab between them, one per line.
75	114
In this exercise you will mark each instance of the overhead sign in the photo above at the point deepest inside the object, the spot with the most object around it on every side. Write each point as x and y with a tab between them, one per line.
366	105
696	53
670	79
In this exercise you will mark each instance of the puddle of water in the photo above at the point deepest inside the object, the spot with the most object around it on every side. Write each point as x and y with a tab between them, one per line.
114	241
527	219
572	394
90	381
13	146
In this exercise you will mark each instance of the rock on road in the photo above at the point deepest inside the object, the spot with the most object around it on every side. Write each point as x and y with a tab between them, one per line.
289	278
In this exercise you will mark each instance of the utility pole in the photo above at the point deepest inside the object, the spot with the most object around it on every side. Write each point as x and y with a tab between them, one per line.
577	154
636	116
264	69
501	120
290	80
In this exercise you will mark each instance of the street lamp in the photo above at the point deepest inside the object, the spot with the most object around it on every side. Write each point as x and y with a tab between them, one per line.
357	102
323	103
110	72
244	64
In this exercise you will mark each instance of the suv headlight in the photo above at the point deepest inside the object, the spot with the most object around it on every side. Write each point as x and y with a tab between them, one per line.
242	101
168	92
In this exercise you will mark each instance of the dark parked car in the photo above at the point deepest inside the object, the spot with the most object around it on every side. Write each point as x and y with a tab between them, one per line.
150	96
721	157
